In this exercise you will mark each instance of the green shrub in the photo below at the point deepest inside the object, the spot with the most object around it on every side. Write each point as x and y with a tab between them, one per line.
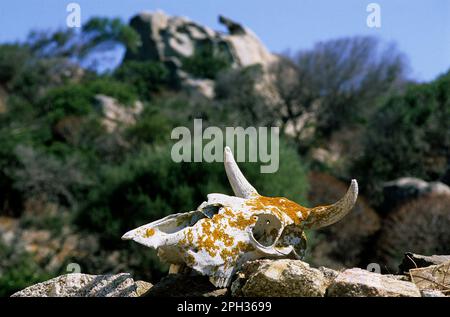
12	59
123	91
146	77
408	136
18	270
37	76
79	99
206	63
149	185
151	127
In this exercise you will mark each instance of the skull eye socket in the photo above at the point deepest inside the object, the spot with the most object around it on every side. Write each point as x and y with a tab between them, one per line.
178	222
266	230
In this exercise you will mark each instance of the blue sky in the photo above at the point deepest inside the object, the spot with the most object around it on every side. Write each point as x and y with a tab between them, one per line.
421	28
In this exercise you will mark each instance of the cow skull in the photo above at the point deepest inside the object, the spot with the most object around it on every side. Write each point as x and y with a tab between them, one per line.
226	231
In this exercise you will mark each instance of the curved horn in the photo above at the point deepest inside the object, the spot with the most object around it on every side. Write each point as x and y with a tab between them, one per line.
323	216
241	186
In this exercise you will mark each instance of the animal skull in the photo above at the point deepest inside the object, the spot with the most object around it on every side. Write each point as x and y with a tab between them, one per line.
226	231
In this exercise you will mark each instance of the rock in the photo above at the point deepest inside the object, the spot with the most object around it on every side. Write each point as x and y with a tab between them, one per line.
181	285
404	189
116	114
281	278
412	261
165	37
199	87
432	293
142	288
83	285
329	274
357	282
405	278
246	48
171	39
434	277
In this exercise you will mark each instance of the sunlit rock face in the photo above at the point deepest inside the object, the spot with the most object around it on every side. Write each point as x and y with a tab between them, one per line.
167	37
172	39
226	231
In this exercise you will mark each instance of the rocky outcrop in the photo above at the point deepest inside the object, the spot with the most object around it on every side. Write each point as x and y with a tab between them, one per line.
166	38
260	278
361	283
281	278
172	39
83	285
116	114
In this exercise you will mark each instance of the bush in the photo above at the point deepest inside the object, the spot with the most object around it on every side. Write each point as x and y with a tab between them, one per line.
421	226
37	76
12	59
206	63
240	101
149	185
18	270
146	77
408	136
79	99
44	176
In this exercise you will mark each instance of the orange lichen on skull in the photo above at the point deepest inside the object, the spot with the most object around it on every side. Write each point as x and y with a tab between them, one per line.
149	232
279	204
229	256
212	233
238	221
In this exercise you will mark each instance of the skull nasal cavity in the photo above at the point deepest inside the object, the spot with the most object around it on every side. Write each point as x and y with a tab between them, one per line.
266	229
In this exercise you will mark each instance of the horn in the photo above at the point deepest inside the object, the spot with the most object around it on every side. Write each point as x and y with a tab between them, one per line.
323	216
241	186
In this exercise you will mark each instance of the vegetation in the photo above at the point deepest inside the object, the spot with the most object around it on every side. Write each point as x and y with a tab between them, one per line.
54	146
408	135
207	62
422	225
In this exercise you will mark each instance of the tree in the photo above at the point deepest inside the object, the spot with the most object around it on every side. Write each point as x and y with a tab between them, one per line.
336	83
97	35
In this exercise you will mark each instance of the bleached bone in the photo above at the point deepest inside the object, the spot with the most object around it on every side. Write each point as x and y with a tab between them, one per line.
226	231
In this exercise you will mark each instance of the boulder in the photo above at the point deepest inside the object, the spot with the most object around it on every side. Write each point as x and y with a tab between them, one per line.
171	39
116	114
142	287
280	278
83	285
432	293
164	37
357	282
398	191
203	88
